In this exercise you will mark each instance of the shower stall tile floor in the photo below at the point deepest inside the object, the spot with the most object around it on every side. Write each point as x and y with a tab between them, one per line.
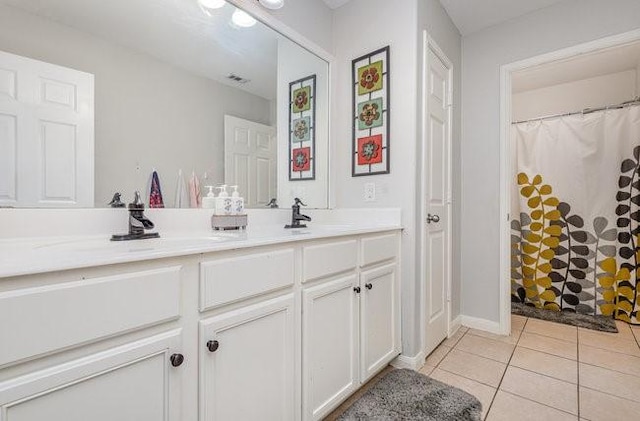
544	370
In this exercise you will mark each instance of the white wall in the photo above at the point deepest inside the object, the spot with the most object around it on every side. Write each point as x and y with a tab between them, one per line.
562	25
295	63
311	18
149	114
362	26
433	18
574	96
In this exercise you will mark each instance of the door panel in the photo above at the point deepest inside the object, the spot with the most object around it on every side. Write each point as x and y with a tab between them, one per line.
52	162
379	324
250	159
134	382
250	376
330	345
436	201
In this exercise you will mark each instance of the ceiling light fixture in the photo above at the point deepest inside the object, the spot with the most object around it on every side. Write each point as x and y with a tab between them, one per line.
272	4
208	6
242	19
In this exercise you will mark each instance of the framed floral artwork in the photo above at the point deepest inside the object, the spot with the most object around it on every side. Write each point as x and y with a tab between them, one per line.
302	133
371	114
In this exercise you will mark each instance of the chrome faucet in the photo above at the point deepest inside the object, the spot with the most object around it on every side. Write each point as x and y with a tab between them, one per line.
138	223
296	216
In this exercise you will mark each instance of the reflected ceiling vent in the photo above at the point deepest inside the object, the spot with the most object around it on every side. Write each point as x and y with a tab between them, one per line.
237	78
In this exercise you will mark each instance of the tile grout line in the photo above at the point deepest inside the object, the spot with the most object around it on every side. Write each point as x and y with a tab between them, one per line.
578	369
507	367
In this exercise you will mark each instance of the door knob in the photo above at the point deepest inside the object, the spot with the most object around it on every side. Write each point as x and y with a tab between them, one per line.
432	218
357	290
176	360
369	285
213	346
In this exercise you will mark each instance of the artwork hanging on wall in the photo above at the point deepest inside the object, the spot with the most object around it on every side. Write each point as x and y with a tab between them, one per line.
371	114
302	129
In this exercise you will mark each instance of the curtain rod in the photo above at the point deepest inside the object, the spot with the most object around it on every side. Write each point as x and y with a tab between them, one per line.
635	101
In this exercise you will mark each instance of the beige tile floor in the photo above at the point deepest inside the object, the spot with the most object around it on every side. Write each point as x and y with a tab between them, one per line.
544	371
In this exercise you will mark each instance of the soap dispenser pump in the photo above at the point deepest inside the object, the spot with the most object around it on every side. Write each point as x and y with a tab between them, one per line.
237	202
209	201
223	202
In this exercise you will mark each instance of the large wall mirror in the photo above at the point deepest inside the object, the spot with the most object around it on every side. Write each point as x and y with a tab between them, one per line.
96	96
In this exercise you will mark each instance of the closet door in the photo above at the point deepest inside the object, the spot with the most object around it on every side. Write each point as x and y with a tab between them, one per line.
250	159
46	134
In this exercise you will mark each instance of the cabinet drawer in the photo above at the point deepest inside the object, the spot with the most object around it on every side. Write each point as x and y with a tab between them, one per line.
35	321
378	249
329	259
224	281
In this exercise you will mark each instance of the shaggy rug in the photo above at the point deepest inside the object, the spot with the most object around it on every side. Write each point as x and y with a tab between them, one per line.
601	323
408	395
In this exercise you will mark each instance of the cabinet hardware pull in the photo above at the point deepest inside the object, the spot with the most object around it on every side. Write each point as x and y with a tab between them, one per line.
213	346
369	285
357	290
176	360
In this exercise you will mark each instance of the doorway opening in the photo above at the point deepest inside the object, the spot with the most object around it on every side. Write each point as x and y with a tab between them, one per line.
569	136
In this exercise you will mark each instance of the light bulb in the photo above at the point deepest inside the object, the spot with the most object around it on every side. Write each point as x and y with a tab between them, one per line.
272	4
212	4
242	19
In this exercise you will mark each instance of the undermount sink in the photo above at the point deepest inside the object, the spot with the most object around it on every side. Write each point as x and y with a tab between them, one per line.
104	244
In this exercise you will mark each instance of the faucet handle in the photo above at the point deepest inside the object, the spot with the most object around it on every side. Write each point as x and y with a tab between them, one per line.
298	202
137	202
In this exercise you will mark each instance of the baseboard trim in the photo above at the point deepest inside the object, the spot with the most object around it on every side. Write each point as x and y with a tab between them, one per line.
455	325
481	324
414	363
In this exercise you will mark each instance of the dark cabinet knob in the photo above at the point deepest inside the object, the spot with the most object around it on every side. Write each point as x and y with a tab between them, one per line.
213	346
176	360
369	286
357	290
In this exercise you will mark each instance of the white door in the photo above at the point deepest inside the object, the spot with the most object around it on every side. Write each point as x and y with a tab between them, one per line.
46	134
329	345
436	197
247	363
133	382
250	157
379	321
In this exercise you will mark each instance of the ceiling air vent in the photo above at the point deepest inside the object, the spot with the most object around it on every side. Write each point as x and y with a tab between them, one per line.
237	78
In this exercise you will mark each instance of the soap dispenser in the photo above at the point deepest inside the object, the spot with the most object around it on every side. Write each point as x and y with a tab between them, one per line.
237	202
223	202
209	201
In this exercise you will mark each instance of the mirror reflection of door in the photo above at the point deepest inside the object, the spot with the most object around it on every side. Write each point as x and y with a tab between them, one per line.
250	159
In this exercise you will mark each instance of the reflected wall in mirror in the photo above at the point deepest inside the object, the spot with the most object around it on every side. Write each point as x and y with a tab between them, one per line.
95	95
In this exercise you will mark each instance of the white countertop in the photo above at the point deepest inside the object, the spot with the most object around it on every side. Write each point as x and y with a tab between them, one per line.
28	256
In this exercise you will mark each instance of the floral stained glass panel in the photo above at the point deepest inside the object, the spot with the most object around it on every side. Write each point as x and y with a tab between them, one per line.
301	129
370	114
370	78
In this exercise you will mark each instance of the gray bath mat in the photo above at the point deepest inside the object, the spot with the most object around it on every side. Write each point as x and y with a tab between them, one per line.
408	395
601	323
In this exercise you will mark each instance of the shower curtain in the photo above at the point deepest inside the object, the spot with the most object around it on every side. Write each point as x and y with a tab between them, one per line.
575	216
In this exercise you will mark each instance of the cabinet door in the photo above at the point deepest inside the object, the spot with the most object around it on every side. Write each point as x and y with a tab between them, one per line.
329	345
133	382
247	363
379	319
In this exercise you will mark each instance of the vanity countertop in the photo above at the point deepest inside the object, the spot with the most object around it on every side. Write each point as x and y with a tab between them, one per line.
28	256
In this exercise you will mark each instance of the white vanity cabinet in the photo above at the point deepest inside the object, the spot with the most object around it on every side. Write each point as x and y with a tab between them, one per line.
282	331
351	317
